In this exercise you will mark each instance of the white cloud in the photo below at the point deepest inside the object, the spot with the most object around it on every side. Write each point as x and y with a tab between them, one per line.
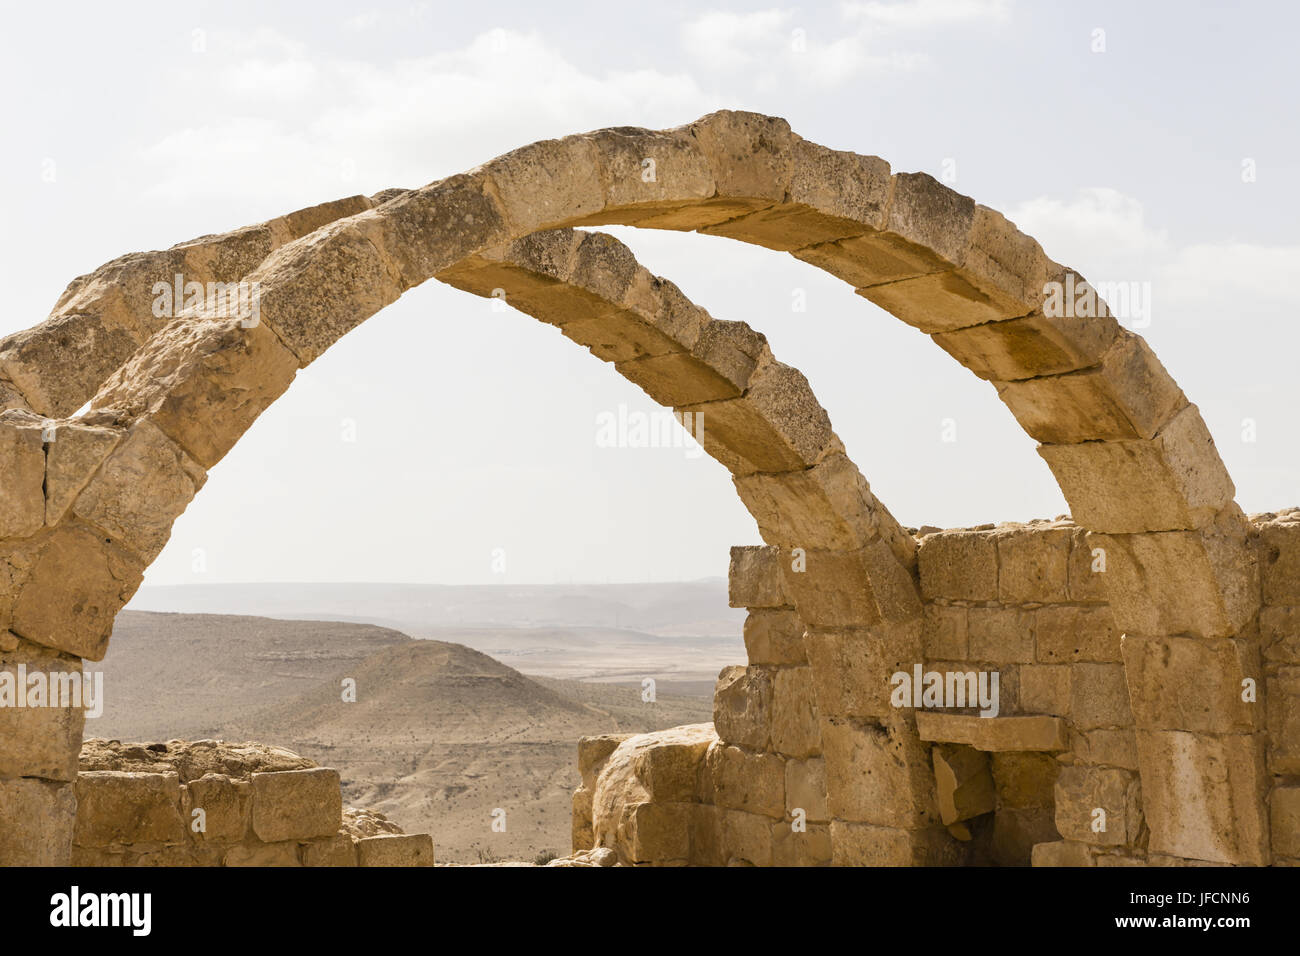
301	128
1106	236
732	41
777	47
1097	224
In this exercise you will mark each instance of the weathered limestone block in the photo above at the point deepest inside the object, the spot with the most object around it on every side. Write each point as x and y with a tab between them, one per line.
1031	346
743	707
746	838
774	637
1279	550
657	768
795	729
827	507
582	836
396	849
853	588
1283	702
623	314
963	783
1067	634
316	289
680	379
335	851
73	456
227	808
807	847
659	194
706	835
296	804
833	589
1175	481
291	226
426	231
863	844
202	383
878	771
846	194
1087	570
22	474
39	739
851	667
1033	564
1099	696
530	274
755	579
117	807
284	853
1035	733
141	488
1129	395
777	425
815	211
805	788
657	833
1001	635
1045	689
737	779
1279	634
959	566
1101	806
944	633
593	752
751	155
1204	795
1062	853
57	364
1284	803
1024	780
1201	583
548	184
729	352
1106	747
75	585
1181	683
1001	271
36	822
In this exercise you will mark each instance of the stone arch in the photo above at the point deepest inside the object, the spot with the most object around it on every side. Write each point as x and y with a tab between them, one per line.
1131	455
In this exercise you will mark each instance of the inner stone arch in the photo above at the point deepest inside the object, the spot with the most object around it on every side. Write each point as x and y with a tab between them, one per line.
1132	456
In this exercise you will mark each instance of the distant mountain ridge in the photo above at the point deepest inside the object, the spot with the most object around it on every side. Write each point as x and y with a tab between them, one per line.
697	608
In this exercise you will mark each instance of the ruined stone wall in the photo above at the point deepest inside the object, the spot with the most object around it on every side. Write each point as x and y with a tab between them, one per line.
1053	778
212	804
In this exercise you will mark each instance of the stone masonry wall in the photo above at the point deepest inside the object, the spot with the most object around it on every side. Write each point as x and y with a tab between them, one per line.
1053	779
207	803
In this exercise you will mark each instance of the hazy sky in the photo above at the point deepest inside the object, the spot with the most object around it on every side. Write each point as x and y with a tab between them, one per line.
1129	152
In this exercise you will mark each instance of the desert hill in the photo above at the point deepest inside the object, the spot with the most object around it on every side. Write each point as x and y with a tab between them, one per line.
439	736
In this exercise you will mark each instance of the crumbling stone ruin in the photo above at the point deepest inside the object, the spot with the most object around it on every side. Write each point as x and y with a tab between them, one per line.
211	803
1146	651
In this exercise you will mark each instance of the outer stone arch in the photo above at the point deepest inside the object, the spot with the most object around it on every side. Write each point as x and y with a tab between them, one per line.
1132	456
